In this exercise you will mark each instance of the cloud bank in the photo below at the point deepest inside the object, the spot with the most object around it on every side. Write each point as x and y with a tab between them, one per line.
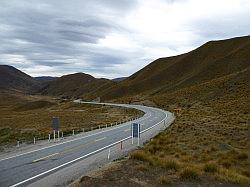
110	38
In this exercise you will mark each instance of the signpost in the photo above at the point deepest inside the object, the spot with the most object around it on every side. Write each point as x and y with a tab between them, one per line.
55	126
135	132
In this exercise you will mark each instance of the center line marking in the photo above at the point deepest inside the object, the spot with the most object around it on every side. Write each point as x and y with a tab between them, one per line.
40	159
100	139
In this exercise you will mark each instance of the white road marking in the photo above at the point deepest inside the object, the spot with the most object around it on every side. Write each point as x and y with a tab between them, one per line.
100	139
40	159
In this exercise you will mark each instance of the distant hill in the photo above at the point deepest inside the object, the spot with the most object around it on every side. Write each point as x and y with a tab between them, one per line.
74	85
119	79
45	78
12	79
212	60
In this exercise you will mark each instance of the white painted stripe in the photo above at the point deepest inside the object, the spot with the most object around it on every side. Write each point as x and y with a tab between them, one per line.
40	159
100	139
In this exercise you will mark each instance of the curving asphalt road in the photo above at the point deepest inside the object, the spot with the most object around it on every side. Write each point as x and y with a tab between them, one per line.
29	167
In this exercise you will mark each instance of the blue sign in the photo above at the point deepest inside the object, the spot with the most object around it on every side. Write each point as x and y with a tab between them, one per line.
55	123
136	128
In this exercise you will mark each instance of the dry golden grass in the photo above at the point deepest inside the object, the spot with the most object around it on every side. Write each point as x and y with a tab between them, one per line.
25	117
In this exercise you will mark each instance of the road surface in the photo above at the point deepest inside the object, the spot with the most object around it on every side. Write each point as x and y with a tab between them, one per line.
29	167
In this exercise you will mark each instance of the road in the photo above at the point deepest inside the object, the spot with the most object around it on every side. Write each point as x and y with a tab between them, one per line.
28	167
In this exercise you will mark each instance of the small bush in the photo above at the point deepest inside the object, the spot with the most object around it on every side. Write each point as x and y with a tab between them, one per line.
210	168
189	173
163	180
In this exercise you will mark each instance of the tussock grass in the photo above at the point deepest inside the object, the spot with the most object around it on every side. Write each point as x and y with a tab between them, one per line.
210	168
141	156
168	164
163	180
229	175
189	173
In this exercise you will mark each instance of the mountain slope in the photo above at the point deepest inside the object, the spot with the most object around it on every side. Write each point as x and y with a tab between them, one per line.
12	79
45	78
211	60
74	85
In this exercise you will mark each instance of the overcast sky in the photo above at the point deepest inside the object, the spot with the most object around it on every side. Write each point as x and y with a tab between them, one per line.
111	38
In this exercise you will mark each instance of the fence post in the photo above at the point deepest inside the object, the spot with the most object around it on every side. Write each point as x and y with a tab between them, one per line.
49	138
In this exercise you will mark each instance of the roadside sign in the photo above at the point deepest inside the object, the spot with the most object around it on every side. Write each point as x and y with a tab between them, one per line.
136	127
55	123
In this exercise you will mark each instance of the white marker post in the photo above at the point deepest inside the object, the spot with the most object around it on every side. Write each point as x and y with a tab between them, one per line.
18	144
109	154
49	138
132	133
73	132
62	135
54	132
138	126
58	135
34	140
82	129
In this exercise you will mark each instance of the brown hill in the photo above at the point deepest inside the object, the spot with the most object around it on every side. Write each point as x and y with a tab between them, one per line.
212	60
74	85
12	79
208	143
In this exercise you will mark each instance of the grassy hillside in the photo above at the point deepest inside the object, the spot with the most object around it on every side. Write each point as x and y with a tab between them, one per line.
13	80
211	60
209	142
74	85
